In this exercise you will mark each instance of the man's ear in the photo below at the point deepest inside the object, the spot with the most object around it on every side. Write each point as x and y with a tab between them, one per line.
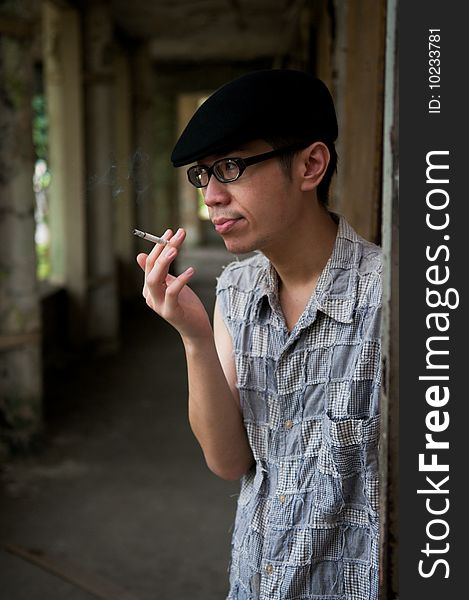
313	165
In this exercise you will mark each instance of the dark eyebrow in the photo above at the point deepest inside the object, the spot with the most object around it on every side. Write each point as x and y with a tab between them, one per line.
238	149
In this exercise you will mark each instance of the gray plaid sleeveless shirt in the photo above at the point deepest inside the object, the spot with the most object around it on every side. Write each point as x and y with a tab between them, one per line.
307	518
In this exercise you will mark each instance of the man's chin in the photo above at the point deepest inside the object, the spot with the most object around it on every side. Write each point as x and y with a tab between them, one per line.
234	246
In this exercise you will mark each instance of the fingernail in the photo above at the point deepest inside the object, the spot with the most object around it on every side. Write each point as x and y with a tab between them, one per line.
178	233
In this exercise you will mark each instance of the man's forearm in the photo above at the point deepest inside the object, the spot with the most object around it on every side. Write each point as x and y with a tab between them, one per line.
214	413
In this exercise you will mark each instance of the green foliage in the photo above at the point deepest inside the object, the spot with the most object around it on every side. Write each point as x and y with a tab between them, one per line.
40	126
43	261
202	207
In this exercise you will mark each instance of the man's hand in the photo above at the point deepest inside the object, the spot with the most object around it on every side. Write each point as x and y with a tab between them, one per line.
169	296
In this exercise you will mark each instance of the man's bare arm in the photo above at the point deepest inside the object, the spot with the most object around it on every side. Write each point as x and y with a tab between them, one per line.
214	411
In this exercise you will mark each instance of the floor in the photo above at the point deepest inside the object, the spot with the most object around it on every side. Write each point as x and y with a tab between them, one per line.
118	497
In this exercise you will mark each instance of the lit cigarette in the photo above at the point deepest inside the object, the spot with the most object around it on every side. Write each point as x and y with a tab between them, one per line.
151	238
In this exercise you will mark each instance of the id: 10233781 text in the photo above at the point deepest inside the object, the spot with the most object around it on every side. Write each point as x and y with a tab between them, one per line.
434	71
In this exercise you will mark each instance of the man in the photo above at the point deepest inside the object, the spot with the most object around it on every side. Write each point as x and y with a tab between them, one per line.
283	392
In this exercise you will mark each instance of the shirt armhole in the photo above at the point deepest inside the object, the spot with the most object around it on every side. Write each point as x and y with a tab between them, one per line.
224	346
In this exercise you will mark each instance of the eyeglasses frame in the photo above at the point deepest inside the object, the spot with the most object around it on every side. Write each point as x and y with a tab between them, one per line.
243	163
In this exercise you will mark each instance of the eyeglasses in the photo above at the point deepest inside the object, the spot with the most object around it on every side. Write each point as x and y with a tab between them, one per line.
227	170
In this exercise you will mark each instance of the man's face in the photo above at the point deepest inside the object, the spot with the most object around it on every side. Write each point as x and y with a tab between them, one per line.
256	211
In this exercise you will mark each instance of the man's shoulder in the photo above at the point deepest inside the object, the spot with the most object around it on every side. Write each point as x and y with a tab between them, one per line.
369	270
371	260
353	250
363	260
244	273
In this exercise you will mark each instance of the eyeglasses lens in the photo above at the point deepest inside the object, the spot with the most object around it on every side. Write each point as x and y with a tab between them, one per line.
226	170
198	176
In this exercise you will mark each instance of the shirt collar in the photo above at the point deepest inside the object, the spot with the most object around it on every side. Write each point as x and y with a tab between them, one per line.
336	289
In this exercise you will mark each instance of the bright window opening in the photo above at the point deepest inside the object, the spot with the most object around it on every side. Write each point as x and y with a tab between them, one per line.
41	183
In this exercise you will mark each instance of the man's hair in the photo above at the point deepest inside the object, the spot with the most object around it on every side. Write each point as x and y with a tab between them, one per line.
286	161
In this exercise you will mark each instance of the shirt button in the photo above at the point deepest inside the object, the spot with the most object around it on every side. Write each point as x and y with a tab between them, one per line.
288	424
269	569
282	498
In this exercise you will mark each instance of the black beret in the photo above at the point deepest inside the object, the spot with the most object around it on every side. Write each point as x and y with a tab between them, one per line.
258	105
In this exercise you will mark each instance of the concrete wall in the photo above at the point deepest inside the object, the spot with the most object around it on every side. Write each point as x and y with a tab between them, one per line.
350	58
20	326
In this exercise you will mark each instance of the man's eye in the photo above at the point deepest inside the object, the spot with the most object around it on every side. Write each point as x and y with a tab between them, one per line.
230	166
227	169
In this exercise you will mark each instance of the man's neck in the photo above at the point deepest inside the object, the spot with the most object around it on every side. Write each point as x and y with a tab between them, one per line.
300	260
305	250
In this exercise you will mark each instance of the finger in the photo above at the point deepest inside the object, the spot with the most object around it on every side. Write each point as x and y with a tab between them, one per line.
141	260
178	238
156	251
175	287
156	278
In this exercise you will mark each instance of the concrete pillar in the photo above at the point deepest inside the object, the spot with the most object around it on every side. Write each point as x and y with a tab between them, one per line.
103	319
350	40
62	55
143	159
124	206
20	338
359	69
165	115
325	36
187	194
389	444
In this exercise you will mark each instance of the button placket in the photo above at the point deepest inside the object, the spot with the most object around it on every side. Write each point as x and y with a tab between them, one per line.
270	582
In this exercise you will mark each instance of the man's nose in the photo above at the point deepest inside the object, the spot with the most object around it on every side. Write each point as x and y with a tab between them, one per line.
216	192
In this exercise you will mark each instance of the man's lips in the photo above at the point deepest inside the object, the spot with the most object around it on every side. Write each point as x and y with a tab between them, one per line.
223	224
